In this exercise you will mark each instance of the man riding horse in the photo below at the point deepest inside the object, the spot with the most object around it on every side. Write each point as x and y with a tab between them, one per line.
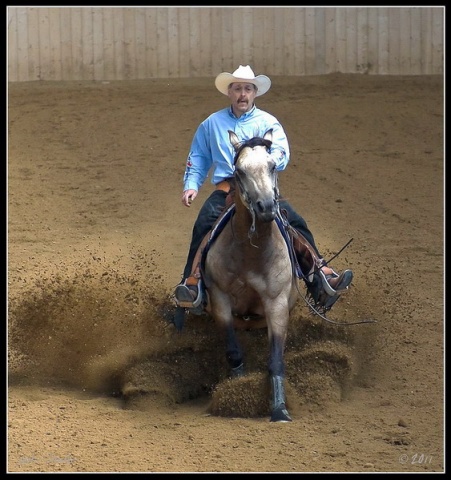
211	150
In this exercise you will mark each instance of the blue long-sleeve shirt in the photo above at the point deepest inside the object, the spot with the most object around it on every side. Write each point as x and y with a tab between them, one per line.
211	147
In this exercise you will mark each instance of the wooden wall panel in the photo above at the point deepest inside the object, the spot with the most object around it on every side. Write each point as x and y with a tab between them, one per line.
319	45
415	41
437	39
381	66
116	43
13	44
352	46
340	40
151	43
299	41
330	26
33	44
309	35
226	35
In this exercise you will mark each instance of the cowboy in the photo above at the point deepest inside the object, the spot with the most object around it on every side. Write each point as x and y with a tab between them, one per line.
211	150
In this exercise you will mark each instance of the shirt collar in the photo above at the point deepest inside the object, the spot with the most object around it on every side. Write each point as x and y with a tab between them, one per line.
245	115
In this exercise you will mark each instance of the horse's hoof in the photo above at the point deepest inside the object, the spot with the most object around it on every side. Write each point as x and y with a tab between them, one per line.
280	414
179	318
237	371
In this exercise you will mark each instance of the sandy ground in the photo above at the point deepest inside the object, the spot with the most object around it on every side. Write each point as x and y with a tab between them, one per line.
99	381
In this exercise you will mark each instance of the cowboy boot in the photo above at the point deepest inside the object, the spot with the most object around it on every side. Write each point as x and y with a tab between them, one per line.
324	288
188	294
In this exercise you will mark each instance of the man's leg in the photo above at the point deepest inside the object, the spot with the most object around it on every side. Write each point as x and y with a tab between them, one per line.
323	283
187	293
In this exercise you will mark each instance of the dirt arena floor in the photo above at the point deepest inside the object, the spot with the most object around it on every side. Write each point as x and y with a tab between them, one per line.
99	381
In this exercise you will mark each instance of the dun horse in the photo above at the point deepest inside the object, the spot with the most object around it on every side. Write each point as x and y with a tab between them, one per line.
248	269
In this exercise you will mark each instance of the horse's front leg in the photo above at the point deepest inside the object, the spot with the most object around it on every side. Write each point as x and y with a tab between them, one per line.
279	412
234	353
222	313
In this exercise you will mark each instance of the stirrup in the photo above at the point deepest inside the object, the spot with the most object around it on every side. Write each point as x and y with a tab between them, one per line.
322	294
344	280
184	296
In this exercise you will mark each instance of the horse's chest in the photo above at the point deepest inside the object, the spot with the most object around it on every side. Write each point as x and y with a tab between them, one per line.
271	274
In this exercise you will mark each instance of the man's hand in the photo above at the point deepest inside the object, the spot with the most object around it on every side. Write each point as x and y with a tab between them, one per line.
188	196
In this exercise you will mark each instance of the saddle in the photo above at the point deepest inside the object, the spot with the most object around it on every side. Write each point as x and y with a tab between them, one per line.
287	231
282	223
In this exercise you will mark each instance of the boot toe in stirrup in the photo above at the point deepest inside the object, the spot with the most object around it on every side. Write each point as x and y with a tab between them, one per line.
337	284
327	288
188	296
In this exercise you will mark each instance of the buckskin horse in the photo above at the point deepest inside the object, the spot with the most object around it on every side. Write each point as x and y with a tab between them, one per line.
247	270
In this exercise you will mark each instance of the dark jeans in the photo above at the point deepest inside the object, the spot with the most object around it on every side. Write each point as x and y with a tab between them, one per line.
213	207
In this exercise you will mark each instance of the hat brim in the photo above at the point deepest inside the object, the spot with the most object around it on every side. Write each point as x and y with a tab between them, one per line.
223	80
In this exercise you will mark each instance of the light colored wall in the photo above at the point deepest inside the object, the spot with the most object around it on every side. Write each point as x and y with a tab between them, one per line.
119	43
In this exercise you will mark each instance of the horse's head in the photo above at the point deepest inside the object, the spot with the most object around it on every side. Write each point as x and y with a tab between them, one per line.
256	176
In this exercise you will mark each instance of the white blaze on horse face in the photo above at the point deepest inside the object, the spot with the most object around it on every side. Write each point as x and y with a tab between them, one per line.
257	179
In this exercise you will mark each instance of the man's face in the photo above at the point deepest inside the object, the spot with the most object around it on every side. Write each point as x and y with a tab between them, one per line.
242	96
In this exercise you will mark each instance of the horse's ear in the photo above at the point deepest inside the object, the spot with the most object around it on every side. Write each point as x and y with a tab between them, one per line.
268	135
234	140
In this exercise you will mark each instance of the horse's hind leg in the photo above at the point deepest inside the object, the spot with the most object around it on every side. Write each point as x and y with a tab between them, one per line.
176	316
179	318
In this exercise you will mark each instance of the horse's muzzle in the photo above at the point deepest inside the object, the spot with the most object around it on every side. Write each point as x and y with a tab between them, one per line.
266	211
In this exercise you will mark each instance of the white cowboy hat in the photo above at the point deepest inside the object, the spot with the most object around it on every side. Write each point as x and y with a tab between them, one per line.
242	74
